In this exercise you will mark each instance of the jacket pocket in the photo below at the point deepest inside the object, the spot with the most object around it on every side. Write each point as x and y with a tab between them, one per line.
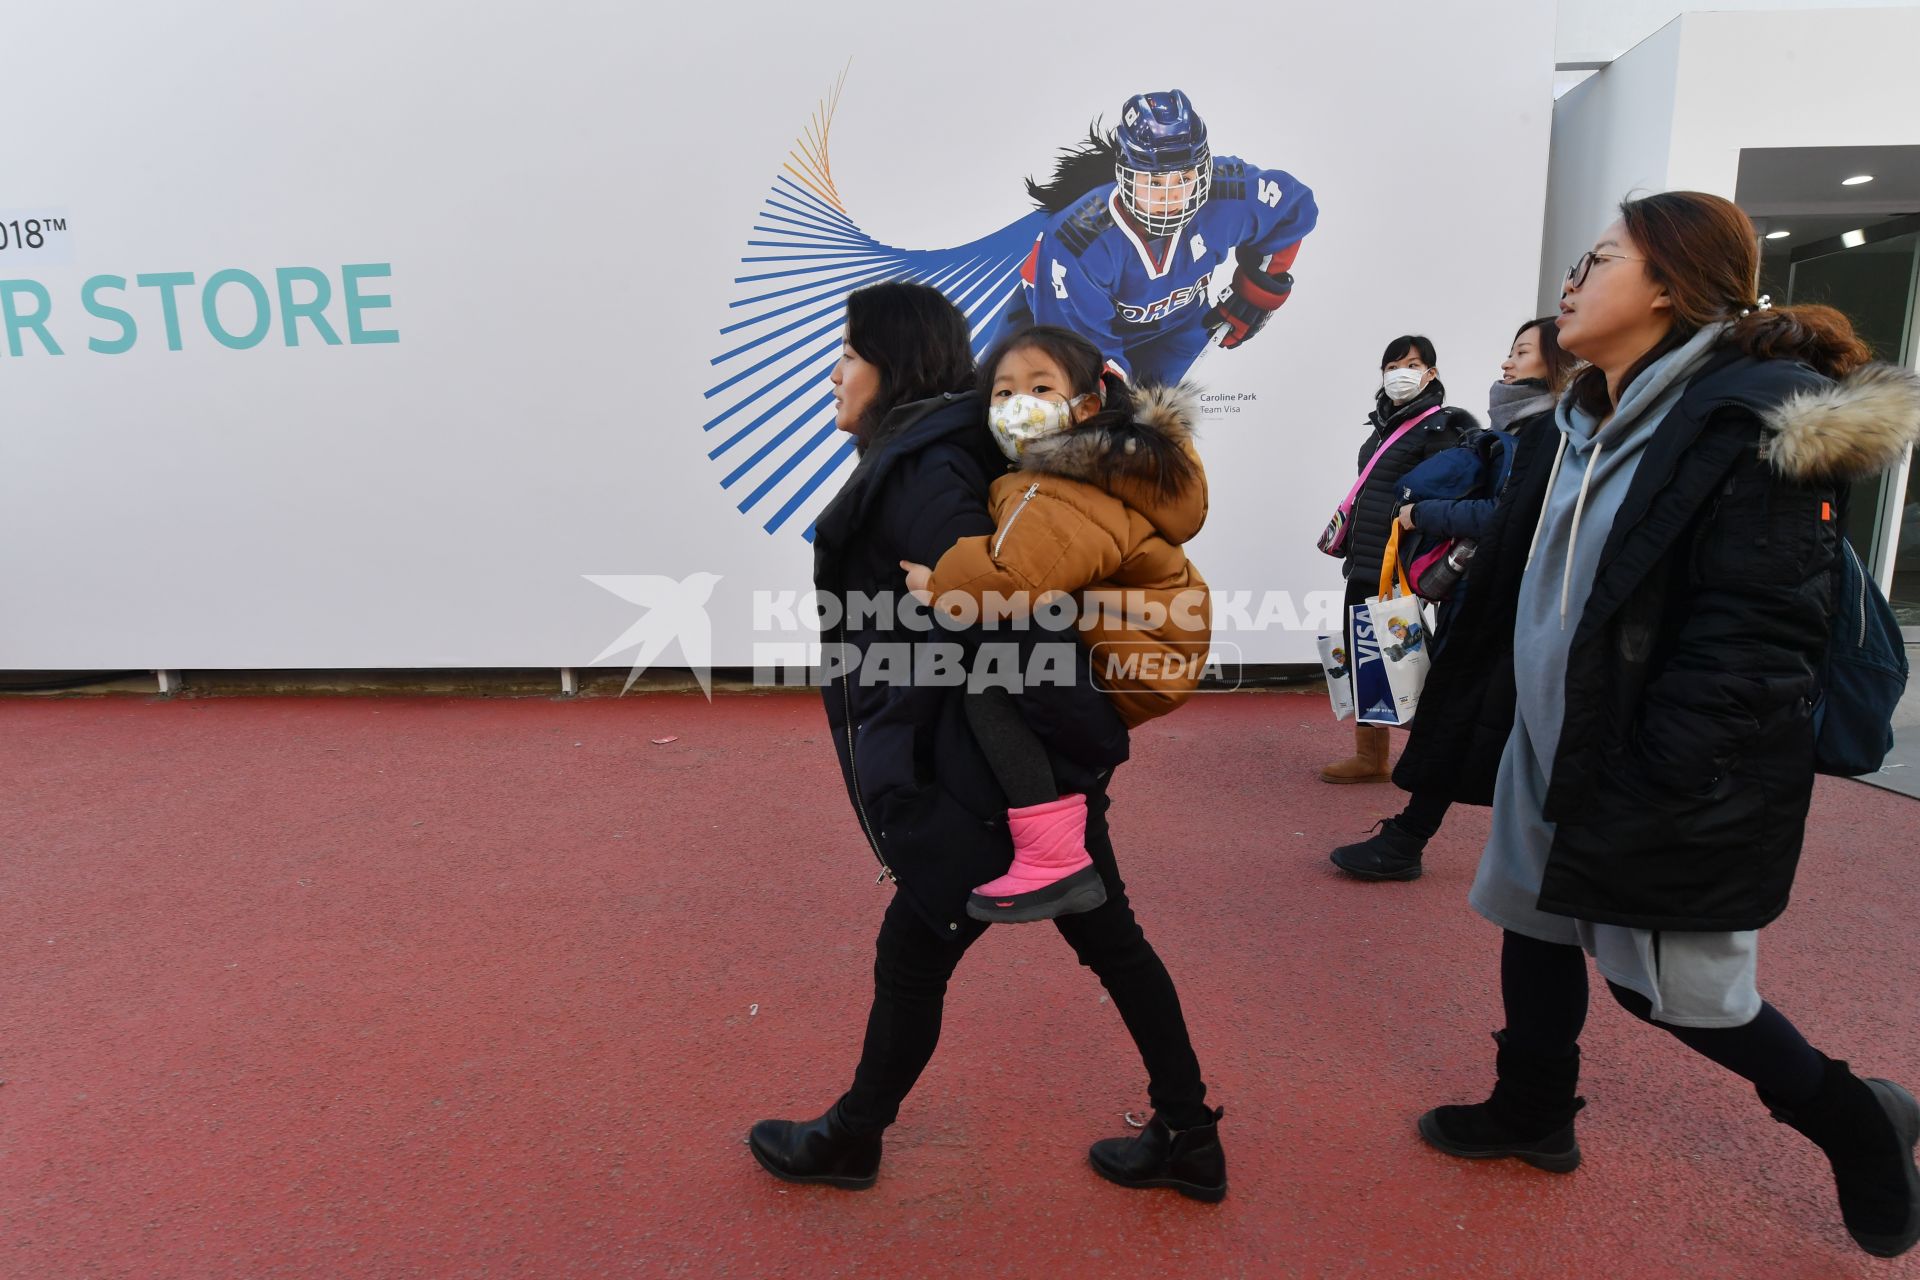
1761	527
884	749
1643	856
1639	836
1636	786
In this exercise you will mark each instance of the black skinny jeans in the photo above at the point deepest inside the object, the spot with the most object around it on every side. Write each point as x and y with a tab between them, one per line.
912	965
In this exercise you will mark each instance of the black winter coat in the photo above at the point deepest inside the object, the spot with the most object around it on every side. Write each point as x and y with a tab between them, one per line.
1685	767
1455	743
920	787
1374	507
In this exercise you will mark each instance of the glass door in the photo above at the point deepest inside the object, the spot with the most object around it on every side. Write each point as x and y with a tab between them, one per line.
1872	276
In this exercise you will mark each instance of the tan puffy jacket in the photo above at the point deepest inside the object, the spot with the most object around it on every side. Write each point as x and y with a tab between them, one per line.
1102	513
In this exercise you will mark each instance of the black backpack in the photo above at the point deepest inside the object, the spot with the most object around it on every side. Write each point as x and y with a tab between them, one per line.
1864	674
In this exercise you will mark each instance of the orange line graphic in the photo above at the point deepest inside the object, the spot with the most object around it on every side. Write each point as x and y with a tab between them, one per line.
814	170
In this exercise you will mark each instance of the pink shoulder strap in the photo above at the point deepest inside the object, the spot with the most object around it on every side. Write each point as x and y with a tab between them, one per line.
1381	452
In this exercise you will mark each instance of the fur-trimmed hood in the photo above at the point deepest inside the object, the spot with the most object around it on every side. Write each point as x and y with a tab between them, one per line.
1847	430
1150	464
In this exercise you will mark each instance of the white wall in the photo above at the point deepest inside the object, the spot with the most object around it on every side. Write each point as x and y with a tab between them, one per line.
1601	30
1674	112
1809	78
1611	135
566	199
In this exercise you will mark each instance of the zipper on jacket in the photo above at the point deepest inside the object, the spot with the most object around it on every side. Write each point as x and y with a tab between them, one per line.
1860	569
1008	527
853	774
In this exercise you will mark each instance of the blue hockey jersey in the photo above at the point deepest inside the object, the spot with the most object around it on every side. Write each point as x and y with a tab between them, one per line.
1140	299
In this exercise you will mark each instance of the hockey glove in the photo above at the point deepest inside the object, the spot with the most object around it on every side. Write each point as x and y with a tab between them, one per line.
1244	307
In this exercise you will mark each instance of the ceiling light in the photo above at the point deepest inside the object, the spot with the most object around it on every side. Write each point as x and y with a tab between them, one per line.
1854	239
1778	235
1858	180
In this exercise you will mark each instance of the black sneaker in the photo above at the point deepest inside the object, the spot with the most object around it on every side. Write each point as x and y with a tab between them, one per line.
1392	853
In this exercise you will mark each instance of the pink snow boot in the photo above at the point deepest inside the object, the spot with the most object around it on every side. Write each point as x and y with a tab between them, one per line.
1051	873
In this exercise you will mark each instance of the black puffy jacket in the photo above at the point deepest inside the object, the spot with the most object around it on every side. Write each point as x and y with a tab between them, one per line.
1685	767
1378	501
922	791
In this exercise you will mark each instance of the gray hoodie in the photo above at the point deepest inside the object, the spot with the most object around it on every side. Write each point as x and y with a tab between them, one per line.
1590	478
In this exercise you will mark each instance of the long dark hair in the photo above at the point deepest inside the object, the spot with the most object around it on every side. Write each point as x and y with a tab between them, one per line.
1702	249
916	339
1078	170
1169	467
1560	362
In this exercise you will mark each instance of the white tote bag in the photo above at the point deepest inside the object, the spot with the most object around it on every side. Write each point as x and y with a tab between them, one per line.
1392	641
1333	661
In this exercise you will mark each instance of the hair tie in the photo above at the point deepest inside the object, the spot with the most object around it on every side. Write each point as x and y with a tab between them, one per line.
1765	304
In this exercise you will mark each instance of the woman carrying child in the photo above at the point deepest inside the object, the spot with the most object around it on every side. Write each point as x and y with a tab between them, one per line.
923	787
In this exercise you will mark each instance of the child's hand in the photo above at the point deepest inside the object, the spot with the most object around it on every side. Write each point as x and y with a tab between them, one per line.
919	577
1406	517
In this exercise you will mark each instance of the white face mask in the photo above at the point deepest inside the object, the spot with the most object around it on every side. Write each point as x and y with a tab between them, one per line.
1402	385
1020	420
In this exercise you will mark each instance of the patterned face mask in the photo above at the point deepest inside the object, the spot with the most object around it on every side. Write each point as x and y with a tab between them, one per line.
1019	420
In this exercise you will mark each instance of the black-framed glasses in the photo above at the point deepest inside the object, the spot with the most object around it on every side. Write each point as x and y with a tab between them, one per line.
1577	273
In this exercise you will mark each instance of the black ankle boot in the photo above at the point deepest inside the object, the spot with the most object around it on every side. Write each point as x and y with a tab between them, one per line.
822	1150
1529	1117
1392	853
1188	1160
1868	1129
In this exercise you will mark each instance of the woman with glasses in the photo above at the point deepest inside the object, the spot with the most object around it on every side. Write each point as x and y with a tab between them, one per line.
1662	593
1453	709
1411	397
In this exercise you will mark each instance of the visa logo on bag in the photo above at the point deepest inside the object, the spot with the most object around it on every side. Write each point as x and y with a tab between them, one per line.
1383	691
1372	691
1365	643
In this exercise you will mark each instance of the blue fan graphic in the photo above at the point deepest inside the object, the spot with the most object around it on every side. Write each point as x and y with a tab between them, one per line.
774	427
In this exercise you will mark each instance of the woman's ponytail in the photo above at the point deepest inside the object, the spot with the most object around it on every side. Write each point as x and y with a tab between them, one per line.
1819	337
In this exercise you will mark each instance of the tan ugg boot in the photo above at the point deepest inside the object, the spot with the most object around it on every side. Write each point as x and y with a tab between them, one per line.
1368	763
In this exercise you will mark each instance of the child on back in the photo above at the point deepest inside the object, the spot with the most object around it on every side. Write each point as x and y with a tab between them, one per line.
1107	489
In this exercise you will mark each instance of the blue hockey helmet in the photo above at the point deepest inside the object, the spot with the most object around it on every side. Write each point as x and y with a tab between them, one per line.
1162	164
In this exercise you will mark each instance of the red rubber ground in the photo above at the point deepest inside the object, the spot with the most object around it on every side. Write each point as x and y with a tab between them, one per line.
425	987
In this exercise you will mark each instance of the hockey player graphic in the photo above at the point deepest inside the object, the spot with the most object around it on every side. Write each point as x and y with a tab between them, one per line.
1143	220
1129	242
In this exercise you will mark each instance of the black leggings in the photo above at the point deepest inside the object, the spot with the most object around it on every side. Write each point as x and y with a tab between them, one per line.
912	965
1013	750
1423	815
1544	988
